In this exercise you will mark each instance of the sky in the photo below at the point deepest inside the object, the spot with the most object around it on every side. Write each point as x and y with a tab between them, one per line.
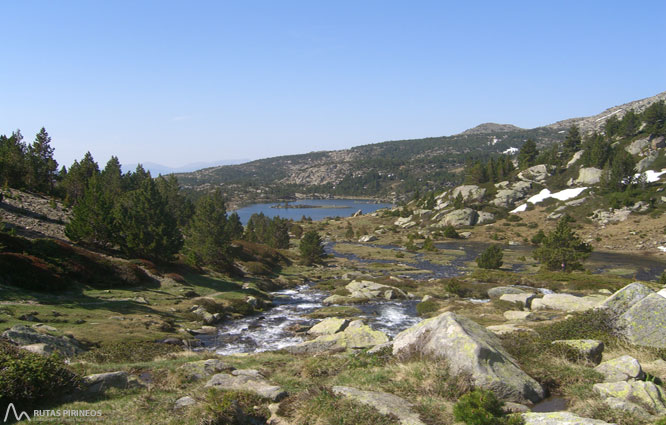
176	82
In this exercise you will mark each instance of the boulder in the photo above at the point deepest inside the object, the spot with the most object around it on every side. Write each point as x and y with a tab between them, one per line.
525	299
100	382
461	217
659	142
485	218
645	394
366	290
184	402
620	369
637	146
469	192
645	322
559	418
498	291
538	173
385	403
24	336
512	315
588	176
340	299
355	337
586	349
405	222
507	197
622	300
206	317
241	382
469	348
645	163
508	328
329	326
203	368
358	213
367	238
566	302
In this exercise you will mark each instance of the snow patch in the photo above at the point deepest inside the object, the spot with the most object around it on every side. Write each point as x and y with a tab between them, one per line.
662	248
651	176
563	195
511	151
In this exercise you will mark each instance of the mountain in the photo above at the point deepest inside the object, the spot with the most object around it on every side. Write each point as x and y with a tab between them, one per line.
596	122
390	170
156	169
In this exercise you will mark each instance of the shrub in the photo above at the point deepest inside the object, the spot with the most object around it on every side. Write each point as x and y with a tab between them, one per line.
481	407
538	237
426	307
450	232
27	377
491	258
235	408
311	248
662	279
562	248
128	352
428	245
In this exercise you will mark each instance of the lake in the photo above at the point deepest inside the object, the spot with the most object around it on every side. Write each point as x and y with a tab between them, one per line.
325	208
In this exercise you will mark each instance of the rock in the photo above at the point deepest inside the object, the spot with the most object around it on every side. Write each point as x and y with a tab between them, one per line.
485	218
575	158
184	402
588	176
613	216
44	328
252	373
367	238
645	322
329	326
508	329
659	142
405	222
385	403
510	407
469	348
25	336
252	301
206	317
205	330
508	197
566	302
340	299
645	163
622	300
241	382
365	289
100	382
498	291
586	349
469	192
41	349
140	300
620	369
525	300
381	347
538	173
637	146
356	336
426	298
203	368
559	418
627	406
357	213
518	315
645	394
461	217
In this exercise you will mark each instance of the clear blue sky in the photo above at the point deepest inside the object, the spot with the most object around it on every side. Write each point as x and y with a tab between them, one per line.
180	82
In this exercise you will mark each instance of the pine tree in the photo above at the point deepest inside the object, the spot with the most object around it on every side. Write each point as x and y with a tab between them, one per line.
234	226
573	140
112	177
92	219
76	181
491	258
145	227
13	163
311	248
528	154
41	163
208	239
180	206
349	234
562	249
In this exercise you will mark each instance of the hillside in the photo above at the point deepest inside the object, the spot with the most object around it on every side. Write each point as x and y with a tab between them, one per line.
390	170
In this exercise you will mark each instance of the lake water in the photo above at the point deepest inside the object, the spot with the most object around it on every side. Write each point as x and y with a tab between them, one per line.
327	208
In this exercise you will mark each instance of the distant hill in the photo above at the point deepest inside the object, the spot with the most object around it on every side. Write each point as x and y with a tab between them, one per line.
390	170
156	169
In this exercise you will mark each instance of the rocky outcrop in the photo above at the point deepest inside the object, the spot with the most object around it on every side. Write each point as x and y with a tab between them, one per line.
405	222
184	403
538	173
621	368
251	382
589	176
645	163
458	218
507	197
637	146
622	300
367	238
575	158
469	193
43	342
469	348
645	395
525	299
485	218
329	326
498	291
100	382
354	337
658	142
566	302
385	403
